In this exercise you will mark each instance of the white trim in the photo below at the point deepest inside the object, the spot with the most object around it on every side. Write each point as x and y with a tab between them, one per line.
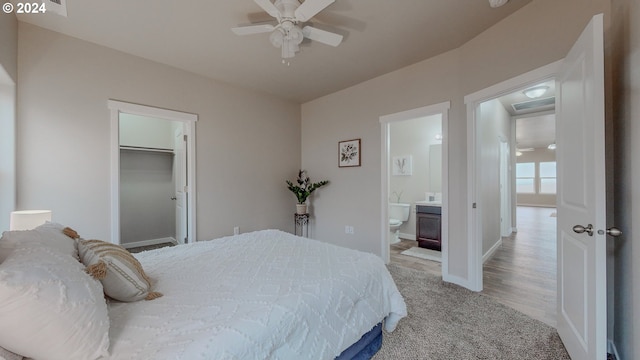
385	121
454	279
405	236
549	206
189	120
144	110
149	242
473	101
489	254
611	349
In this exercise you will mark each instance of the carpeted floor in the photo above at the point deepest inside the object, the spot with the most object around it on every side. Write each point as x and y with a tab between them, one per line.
449	322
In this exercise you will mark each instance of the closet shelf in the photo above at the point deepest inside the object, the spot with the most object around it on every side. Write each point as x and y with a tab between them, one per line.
140	148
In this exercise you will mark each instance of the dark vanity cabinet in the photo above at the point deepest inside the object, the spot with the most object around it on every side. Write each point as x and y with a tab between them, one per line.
429	226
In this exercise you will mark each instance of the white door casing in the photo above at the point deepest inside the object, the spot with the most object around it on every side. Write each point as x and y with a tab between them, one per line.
581	198
189	126
385	121
180	181
473	281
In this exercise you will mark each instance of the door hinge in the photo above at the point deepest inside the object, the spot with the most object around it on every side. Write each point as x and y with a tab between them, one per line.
184	137
473	206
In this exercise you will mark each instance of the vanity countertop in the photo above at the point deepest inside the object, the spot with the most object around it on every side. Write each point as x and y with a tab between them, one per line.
429	203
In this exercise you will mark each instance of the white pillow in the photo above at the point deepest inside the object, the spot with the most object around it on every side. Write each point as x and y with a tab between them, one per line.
49	234
8	355
50	308
121	274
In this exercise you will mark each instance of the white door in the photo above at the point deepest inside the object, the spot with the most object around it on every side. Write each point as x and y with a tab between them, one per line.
180	175
582	320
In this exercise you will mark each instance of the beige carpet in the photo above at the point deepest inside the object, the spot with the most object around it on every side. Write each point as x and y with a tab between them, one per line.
449	322
423	253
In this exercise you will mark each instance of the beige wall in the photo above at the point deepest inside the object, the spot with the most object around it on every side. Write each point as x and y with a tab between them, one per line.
8	77
9	44
354	195
247	143
514	46
494	127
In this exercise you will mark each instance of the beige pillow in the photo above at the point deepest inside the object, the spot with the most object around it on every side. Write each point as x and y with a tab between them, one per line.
121	274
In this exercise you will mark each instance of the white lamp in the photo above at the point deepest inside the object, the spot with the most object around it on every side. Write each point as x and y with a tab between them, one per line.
28	219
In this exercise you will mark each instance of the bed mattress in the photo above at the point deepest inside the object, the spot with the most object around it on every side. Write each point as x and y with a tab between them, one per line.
259	295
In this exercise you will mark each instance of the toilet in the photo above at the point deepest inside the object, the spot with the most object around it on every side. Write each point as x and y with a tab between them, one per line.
398	213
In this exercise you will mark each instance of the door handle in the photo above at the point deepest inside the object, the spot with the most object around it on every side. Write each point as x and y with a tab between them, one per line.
613	231
579	229
174	198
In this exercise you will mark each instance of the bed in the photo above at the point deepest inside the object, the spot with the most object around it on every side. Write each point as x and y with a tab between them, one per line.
260	295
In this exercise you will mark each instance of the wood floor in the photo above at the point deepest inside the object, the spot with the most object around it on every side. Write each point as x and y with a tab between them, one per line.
521	274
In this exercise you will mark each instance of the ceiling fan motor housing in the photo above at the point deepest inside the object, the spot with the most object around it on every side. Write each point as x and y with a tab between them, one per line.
287	10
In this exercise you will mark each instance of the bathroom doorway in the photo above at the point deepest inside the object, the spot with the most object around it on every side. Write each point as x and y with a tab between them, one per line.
153	175
414	158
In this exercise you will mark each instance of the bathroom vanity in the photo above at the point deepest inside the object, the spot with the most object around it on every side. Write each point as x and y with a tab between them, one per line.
429	225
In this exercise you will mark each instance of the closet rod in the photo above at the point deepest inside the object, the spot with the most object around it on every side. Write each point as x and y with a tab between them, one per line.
140	148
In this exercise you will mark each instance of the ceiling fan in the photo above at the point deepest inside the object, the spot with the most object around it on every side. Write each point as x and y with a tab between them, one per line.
287	34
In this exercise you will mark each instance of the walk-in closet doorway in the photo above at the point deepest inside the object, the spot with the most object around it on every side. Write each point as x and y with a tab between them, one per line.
153	175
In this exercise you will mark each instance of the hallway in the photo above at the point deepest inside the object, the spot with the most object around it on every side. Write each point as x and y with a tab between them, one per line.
522	273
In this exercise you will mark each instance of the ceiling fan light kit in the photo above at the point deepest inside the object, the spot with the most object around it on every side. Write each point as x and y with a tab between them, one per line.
287	34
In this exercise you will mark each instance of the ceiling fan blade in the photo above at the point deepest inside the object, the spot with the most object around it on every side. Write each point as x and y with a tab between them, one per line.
253	29
322	36
268	6
310	8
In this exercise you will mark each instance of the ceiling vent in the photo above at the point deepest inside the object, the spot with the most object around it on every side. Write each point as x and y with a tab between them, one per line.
56	6
537	104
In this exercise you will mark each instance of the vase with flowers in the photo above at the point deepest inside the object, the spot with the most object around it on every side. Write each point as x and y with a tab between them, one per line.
302	189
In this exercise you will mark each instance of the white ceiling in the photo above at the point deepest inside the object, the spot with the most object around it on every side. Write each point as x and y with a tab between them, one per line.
379	36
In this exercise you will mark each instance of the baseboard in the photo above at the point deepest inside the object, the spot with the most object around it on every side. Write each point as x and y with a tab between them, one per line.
611	349
551	206
407	236
149	242
491	251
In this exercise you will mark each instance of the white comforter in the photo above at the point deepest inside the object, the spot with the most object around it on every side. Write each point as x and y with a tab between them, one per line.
260	295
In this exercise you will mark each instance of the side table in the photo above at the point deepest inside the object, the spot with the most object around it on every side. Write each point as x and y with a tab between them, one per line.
301	224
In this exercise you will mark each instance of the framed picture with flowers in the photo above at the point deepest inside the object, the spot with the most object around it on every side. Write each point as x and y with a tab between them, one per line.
349	153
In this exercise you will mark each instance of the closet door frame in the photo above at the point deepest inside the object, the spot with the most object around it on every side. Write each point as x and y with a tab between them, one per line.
189	120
